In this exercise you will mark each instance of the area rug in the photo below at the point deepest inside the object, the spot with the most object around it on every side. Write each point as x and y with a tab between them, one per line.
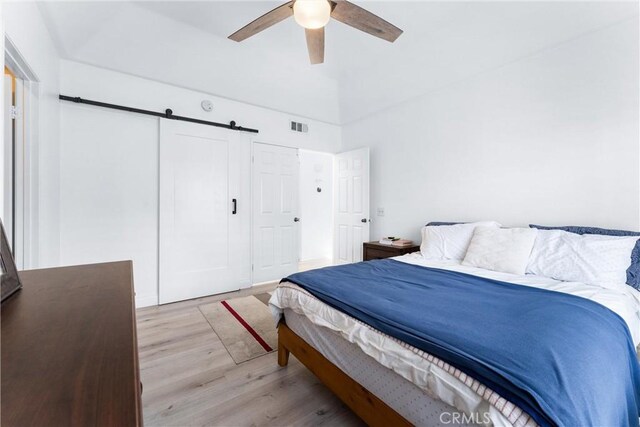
244	325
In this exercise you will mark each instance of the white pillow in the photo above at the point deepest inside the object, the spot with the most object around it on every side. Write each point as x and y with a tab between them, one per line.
592	259
501	249
449	241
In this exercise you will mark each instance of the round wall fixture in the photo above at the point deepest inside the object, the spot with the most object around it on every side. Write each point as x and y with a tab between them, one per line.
206	105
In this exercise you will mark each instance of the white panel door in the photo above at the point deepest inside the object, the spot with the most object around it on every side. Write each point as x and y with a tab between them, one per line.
351	205
276	173
204	215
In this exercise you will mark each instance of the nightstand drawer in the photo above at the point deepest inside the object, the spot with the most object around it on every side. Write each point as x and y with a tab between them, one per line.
378	254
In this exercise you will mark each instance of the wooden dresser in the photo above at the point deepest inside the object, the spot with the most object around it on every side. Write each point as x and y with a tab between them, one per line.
69	349
375	250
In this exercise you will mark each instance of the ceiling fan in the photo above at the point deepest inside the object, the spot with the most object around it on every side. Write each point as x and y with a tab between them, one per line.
313	15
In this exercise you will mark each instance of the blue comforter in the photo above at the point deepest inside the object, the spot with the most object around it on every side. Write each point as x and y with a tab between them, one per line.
566	360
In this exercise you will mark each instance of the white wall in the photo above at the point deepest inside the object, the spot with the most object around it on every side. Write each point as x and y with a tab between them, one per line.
316	227
109	163
132	38
551	138
119	88
24	26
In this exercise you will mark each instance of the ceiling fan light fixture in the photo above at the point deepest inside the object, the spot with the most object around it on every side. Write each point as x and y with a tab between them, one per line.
312	14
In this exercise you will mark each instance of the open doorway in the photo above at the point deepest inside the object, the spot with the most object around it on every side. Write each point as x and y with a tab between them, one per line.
316	209
18	164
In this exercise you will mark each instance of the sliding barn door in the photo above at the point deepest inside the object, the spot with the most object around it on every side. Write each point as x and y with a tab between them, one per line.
351	205
204	211
276	226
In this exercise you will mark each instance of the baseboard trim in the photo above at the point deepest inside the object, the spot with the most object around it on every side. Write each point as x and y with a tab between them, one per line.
146	300
311	264
265	285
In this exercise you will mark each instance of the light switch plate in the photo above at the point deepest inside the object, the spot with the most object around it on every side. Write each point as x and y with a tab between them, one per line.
380	211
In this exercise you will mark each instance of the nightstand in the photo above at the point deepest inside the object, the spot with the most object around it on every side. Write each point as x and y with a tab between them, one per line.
375	250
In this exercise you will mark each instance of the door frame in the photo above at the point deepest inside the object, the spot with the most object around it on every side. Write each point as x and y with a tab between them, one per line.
253	207
26	175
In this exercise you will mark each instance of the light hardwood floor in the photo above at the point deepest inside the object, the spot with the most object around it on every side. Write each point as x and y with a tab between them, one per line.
189	378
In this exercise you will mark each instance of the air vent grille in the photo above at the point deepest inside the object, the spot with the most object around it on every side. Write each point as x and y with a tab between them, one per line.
299	127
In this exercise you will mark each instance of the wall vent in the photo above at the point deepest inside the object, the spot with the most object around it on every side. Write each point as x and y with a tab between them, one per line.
299	127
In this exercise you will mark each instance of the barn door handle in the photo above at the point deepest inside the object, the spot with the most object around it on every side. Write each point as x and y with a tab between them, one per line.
235	206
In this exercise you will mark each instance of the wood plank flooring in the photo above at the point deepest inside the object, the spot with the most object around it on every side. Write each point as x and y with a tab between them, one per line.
189	378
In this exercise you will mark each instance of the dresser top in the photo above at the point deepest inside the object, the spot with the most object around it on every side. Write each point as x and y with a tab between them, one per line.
69	351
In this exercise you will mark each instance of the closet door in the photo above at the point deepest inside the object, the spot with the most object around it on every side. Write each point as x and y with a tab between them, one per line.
204	211
276	221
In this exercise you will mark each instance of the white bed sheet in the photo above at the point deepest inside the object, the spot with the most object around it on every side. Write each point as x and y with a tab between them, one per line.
429	373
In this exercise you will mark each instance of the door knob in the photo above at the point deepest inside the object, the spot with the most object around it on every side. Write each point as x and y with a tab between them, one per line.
296	219
363	220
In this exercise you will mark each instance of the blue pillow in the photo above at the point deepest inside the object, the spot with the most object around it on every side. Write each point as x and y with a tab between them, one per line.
438	223
633	272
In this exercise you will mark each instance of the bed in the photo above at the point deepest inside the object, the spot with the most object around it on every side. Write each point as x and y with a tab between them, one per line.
388	381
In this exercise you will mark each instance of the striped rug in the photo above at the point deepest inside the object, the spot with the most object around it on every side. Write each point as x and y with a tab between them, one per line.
244	325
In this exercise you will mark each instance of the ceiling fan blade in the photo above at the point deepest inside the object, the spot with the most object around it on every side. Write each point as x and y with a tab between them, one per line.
265	21
315	45
357	17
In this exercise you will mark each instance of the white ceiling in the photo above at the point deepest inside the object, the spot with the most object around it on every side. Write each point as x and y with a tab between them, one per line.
184	43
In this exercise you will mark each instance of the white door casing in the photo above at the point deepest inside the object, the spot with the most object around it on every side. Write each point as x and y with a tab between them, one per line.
7	155
203	246
351	205
19	173
13	167
276	227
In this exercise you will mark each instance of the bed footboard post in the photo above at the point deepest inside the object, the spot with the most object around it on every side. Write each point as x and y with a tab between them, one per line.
283	352
283	355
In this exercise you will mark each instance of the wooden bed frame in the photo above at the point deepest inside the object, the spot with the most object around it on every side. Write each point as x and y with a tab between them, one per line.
365	404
